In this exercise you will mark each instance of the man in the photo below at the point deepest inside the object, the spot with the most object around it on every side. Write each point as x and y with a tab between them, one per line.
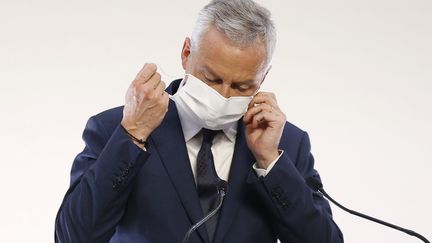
150	169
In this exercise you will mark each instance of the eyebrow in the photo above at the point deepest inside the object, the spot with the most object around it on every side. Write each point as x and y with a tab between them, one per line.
212	73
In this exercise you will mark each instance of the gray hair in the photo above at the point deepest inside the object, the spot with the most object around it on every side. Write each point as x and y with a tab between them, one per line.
244	22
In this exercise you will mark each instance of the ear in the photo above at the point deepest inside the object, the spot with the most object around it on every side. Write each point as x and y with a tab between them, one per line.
186	51
265	75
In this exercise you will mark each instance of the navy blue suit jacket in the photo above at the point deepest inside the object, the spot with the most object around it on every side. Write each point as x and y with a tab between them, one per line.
120	193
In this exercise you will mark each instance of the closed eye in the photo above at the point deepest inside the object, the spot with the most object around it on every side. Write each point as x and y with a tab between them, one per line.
241	87
213	80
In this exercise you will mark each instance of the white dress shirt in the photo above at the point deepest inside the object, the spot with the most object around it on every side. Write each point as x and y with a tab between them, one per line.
222	148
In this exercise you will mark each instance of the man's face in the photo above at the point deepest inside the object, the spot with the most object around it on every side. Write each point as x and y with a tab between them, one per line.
228	69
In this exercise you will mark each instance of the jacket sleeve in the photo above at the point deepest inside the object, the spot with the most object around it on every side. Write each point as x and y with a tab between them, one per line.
299	214
100	185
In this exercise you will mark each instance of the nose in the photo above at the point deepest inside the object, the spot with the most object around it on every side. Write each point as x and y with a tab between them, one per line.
225	90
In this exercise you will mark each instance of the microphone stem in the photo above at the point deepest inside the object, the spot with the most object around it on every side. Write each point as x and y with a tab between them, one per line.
407	231
203	220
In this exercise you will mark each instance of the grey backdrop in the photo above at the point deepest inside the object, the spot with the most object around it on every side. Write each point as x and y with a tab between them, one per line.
355	74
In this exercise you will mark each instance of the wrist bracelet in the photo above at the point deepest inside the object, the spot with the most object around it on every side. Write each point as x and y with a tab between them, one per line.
140	141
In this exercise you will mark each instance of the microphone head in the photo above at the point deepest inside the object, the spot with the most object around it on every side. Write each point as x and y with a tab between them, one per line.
314	183
222	186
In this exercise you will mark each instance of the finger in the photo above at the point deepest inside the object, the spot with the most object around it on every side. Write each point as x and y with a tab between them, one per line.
164	100
157	93
147	90
161	103
146	73
152	82
264	117
160	89
255	110
264	97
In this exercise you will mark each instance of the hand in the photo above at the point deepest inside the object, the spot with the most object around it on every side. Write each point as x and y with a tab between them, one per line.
146	103
264	123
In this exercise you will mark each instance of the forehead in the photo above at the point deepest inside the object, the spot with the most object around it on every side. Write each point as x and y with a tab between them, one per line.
228	60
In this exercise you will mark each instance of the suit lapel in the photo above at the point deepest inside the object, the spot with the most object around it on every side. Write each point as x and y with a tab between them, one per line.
171	147
241	165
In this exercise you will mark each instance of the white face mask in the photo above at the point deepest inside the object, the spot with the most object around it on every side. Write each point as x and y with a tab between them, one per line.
207	106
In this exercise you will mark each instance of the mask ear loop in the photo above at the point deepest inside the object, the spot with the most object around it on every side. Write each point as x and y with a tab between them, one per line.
270	66
258	90
165	75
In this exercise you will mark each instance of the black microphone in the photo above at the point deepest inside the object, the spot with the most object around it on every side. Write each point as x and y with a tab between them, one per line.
222	187
316	185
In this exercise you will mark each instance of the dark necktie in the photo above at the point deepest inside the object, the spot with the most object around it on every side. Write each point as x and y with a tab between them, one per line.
207	179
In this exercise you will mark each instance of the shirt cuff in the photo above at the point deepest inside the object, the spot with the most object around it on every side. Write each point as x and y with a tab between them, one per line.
263	172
